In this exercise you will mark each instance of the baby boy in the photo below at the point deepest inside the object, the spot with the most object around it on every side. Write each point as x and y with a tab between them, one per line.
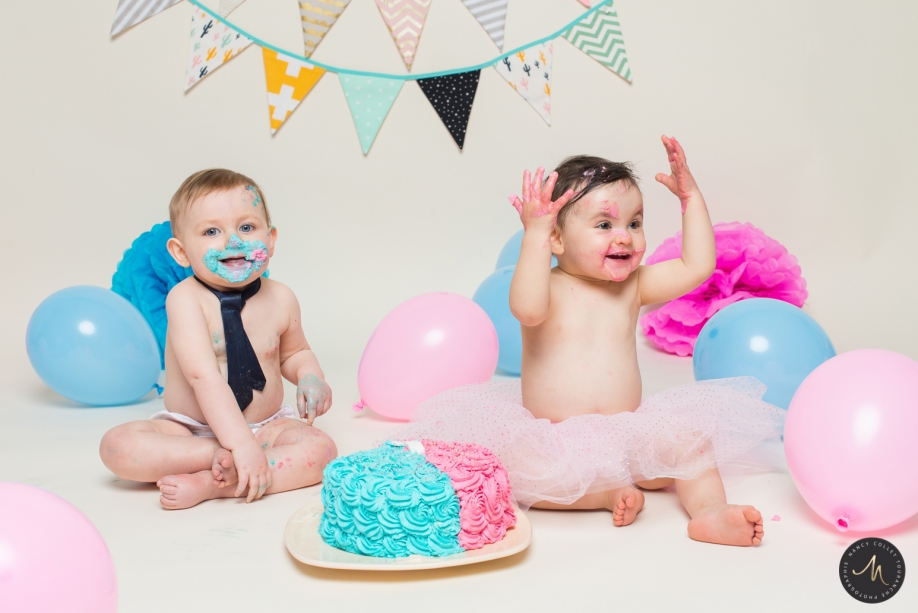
232	336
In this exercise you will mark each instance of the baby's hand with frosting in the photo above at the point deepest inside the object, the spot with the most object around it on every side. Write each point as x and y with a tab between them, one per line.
680	182
313	397
536	208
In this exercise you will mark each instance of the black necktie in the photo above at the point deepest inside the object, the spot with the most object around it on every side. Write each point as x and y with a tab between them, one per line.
244	373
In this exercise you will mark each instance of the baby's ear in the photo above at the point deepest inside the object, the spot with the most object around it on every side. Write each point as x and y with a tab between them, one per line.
557	244
272	235
177	251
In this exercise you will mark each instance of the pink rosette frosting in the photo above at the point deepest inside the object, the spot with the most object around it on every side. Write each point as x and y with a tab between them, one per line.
481	484
749	265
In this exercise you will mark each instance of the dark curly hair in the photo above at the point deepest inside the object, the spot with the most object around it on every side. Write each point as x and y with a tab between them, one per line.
583	174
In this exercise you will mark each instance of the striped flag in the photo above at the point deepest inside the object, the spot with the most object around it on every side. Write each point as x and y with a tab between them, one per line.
318	16
599	35
492	15
405	19
132	12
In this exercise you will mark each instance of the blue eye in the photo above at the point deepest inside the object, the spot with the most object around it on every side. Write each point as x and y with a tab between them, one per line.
211	232
246	227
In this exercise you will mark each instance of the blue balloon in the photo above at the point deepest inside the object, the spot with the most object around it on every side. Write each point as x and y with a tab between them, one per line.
91	345
493	295
771	340
511	252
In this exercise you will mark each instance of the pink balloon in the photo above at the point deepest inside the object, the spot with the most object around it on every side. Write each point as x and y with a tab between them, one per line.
851	439
51	557
424	346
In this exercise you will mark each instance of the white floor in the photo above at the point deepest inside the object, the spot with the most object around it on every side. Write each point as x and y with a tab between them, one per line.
225	555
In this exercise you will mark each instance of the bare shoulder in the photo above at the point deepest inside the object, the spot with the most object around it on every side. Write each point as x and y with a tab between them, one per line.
183	295
278	291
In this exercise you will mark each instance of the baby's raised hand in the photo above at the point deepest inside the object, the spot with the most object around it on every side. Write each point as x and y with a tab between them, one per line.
252	468
536	208
313	398
680	182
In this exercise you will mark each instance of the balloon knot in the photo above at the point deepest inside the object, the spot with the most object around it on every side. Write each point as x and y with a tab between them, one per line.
159	389
842	523
359	406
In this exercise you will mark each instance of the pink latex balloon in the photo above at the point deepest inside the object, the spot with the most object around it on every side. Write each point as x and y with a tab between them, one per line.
851	439
51	557
424	346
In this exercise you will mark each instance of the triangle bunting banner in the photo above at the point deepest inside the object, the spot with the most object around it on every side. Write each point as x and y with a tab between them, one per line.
405	19
228	6
451	97
599	35
369	99
288	80
132	12
213	43
492	15
529	73
318	17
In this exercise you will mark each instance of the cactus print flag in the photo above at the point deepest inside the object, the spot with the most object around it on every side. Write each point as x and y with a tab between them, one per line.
213	43
529	73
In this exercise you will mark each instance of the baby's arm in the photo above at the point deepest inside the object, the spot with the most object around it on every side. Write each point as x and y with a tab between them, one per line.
299	365
190	339
529	289
673	278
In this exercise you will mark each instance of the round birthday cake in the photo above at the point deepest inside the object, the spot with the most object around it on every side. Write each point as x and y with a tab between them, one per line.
430	498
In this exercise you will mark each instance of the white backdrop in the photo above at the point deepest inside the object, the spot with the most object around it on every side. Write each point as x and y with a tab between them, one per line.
797	117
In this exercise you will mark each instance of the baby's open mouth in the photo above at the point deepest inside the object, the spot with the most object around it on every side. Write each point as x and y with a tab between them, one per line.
619	256
235	263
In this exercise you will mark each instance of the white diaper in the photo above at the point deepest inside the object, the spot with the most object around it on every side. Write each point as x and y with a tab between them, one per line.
199	429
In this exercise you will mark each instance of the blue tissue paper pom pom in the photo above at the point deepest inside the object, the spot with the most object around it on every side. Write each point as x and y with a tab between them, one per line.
146	274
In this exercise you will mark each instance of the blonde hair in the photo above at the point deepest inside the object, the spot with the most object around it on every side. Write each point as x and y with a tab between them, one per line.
206	182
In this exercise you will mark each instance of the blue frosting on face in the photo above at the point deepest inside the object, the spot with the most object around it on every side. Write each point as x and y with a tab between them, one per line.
389	502
255	254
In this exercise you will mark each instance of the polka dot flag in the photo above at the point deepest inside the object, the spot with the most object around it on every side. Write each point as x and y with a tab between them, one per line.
452	97
369	99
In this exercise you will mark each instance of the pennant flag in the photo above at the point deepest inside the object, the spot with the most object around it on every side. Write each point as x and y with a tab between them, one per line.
586	3
599	35
132	12
492	15
452	97
405	19
228	6
529	73
370	99
213	43
288	80
318	17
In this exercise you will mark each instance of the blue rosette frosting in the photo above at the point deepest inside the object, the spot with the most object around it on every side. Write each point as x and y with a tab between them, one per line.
389	502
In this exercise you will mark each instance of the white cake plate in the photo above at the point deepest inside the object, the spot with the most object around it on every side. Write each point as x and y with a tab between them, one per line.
306	545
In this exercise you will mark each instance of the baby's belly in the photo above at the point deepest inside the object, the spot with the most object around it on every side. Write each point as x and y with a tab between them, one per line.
556	392
179	398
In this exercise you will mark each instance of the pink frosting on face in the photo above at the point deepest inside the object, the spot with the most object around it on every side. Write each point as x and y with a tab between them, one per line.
480	481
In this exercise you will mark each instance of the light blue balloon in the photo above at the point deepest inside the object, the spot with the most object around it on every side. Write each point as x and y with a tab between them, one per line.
510	254
493	295
771	340
91	345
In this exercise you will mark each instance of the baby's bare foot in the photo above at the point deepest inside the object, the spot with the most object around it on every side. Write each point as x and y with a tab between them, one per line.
185	491
625	503
224	470
728	524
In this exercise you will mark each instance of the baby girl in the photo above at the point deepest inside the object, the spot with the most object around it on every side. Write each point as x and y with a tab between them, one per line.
573	433
233	335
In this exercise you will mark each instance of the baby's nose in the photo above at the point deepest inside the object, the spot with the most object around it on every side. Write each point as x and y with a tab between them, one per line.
621	237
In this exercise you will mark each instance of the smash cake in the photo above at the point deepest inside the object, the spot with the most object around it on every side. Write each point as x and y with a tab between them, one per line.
430	498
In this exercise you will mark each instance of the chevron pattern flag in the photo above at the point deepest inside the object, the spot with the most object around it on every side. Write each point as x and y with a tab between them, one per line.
132	12
405	19
492	15
228	6
599	35
318	17
289	80
213	43
529	73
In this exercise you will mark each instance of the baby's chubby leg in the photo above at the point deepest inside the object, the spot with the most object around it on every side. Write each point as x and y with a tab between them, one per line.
625	503
713	520
150	449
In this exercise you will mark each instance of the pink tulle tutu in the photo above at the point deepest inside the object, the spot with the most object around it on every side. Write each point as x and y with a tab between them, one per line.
677	433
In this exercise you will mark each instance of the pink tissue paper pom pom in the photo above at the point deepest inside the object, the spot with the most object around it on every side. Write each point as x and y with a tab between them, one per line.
749	265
